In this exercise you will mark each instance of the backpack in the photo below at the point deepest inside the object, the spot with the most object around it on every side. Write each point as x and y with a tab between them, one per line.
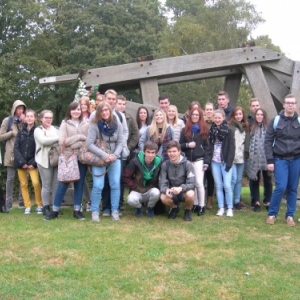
119	115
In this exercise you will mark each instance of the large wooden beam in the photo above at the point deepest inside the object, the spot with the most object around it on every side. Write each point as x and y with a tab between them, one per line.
149	91
295	89
232	86
260	87
284	66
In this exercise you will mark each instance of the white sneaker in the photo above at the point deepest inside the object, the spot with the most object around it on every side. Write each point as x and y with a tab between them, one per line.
220	212
115	215
229	213
39	210
95	216
27	211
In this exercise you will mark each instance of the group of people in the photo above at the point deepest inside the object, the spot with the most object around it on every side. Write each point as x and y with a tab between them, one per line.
164	160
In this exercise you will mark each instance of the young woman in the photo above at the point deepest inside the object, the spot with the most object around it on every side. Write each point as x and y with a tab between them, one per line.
107	127
24	162
143	119
208	116
158	132
193	104
222	141
172	119
257	159
46	136
194	143
239	125
73	131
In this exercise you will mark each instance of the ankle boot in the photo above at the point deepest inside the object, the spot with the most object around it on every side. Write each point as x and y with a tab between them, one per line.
201	210
195	209
52	215
46	210
209	202
4	210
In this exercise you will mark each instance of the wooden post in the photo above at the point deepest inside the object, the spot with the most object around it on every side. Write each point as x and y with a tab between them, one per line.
149	90
232	86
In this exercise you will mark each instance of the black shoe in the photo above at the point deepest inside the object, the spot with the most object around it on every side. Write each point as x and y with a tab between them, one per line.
187	215
195	208
238	206
201	211
173	212
256	208
52	215
150	212
77	214
46	210
252	203
4	210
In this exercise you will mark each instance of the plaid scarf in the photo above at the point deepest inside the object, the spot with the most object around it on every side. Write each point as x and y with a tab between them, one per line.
218	133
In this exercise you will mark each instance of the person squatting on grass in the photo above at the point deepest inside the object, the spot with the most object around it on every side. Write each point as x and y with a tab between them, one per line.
141	177
222	141
24	162
177	182
282	147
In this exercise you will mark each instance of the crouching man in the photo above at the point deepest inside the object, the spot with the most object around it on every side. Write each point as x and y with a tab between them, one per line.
141	176
177	182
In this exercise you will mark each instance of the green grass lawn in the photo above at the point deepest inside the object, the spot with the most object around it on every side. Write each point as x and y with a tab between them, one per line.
149	258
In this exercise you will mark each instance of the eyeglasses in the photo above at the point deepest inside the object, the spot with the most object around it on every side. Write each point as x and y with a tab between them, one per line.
290	103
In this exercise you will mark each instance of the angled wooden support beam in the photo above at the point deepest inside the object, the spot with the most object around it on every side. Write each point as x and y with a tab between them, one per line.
284	66
286	80
295	89
149	91
232	86
260	87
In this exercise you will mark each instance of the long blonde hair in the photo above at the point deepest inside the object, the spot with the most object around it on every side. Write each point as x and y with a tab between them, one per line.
153	129
176	115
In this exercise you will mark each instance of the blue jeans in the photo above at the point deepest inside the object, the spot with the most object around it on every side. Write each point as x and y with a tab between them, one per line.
236	181
286	174
222	181
114	174
78	190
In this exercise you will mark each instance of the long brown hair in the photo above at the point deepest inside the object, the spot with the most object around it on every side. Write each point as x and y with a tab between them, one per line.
99	108
244	120
265	121
201	123
72	106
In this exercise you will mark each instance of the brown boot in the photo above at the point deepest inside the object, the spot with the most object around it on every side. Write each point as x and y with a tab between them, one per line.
209	202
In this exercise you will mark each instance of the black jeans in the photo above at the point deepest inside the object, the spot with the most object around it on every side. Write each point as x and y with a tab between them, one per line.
268	188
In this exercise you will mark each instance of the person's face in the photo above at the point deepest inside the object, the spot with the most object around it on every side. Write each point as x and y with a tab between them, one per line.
195	116
159	117
209	111
218	119
75	113
173	154
164	104
98	99
238	116
120	105
30	118
254	106
259	117
105	113
149	156
47	120
289	105
171	113
19	111
111	99
83	106
143	114
223	101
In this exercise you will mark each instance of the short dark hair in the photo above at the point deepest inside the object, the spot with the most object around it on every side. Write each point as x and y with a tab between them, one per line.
162	97
173	144
150	146
121	97
223	93
289	96
73	105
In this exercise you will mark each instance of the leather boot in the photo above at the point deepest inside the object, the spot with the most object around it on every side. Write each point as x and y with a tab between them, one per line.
46	210
209	202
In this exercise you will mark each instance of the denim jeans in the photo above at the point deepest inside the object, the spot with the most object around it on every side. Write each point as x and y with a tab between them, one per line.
78	190
113	174
236	181
286	174
222	181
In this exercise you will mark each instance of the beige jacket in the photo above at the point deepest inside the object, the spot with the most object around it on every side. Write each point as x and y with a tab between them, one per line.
10	136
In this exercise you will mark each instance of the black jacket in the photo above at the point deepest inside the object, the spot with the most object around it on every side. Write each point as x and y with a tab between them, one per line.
286	137
24	148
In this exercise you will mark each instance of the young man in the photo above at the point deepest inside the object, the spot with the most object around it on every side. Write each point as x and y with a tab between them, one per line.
282	148
8	132
223	102
163	102
141	176
177	182
254	106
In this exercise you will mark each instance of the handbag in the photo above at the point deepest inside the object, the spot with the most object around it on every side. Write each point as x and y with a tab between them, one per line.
54	154
68	170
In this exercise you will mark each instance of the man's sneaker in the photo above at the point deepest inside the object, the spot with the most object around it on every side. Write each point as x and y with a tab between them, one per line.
77	214
106	213
256	208
95	216
220	212
173	212
46	210
138	212
229	213
52	215
88	206
187	215
238	206
290	221
27	211
115	215
150	212
21	205
271	220
201	211
39	210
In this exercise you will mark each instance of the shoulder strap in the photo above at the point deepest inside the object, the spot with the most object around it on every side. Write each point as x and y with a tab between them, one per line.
10	122
119	115
276	120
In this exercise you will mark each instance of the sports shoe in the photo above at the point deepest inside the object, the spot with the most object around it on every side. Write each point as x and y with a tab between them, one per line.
220	212
173	212
201	211
256	208
39	210
150	212
51	216
106	213
290	221
271	220
95	216
229	213
115	215
27	211
238	206
138	212
187	215
46	210
77	214
88	206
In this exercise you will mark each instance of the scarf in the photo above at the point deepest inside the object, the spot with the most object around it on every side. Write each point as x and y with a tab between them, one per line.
238	125
107	129
195	128
257	158
216	133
